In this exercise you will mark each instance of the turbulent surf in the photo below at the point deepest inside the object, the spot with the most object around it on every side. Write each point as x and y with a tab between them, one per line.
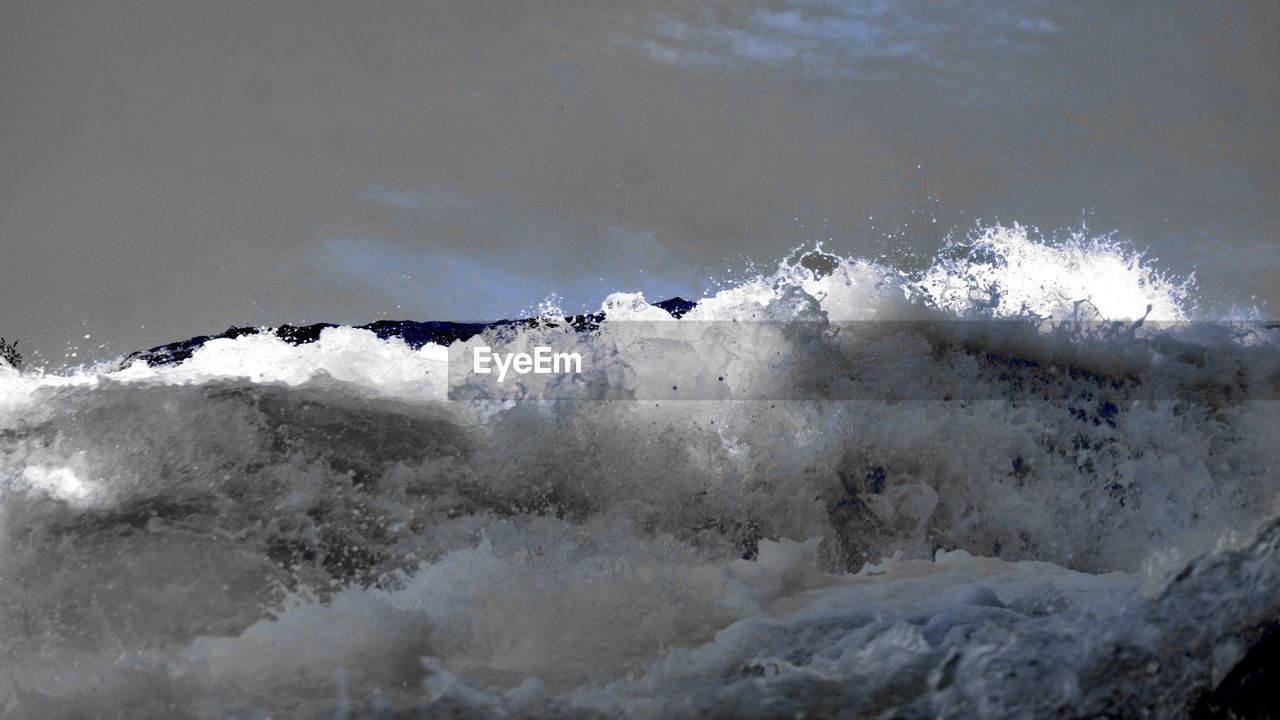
1030	479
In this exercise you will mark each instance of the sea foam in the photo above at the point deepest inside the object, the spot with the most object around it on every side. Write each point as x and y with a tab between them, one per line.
1029	478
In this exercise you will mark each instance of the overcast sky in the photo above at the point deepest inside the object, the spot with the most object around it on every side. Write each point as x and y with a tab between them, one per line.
173	168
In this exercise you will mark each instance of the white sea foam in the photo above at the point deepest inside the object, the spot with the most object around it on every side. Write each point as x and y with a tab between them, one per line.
317	530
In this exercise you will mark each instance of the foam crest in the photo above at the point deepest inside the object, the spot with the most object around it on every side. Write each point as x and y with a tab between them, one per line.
1008	272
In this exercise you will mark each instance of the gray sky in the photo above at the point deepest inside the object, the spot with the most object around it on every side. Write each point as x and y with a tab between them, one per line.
172	168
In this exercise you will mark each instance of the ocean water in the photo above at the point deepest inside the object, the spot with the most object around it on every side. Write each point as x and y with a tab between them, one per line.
1030	479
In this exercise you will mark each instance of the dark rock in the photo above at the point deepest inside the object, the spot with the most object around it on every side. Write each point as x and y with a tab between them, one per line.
413	333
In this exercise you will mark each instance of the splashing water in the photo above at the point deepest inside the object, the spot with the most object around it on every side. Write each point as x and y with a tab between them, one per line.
1048	507
1006	273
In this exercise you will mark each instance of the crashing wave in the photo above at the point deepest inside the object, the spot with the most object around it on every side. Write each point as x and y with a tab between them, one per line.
1026	480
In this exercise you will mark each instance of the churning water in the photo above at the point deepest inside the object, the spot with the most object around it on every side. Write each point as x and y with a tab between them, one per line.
1028	480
